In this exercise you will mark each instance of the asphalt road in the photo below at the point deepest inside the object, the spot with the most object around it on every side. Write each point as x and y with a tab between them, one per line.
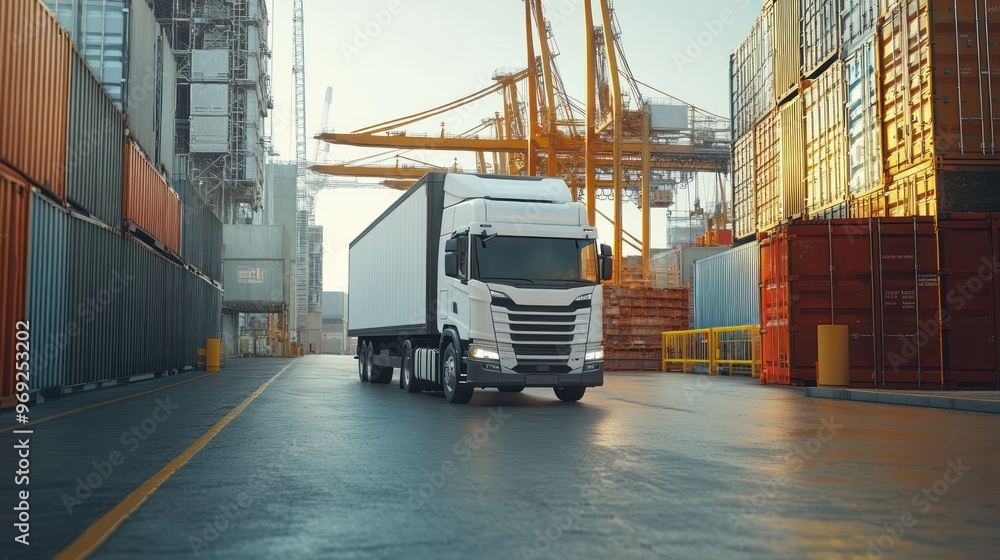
320	465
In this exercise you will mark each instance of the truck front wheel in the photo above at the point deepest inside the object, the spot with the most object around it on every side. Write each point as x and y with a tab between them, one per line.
570	394
453	392
363	361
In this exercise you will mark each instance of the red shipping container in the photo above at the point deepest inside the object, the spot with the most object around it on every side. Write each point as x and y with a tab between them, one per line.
15	197
148	202
821	273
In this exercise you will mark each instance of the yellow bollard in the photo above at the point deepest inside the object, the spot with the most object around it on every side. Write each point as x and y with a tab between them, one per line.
214	352
833	367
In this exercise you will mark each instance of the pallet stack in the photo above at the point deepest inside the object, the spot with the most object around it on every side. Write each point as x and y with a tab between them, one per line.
634	320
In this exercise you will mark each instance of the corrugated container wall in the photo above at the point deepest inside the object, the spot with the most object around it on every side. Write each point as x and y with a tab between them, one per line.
787	47
148	202
752	75
168	106
201	236
939	83
147	50
859	23
793	159
34	89
47	277
821	34
131	310
15	197
744	197
864	126
826	160
726	288
96	134
767	171
98	29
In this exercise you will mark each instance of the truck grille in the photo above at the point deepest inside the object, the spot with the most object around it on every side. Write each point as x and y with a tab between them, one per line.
543	339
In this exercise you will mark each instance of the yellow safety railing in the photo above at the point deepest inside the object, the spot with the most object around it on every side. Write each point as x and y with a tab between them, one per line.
730	350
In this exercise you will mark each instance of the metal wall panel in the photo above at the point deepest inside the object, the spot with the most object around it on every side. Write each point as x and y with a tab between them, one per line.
34	90
787	47
210	65
209	134
201	236
821	33
793	162
15	201
825	130
254	281
47	274
860	17
96	135
744	196
864	127
209	100
726	288
380	296
98	29
254	242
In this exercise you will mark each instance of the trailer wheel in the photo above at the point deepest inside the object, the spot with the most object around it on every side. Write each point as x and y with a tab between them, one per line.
407	375
570	394
449	373
510	389
366	357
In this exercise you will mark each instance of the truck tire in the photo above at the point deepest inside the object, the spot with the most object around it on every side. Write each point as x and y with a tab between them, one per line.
407	375
450	365
363	361
570	394
510	389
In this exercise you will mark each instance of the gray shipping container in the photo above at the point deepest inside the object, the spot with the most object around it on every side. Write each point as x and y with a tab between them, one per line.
97	28
727	288
168	108
201	236
257	264
147	49
821	34
96	144
47	260
752	75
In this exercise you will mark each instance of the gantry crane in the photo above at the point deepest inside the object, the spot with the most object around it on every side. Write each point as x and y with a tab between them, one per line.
614	152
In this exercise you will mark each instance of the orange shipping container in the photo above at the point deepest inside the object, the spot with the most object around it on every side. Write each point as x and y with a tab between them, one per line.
826	145
34	93
15	197
940	77
148	203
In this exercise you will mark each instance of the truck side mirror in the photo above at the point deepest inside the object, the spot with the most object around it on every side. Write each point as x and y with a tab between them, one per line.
451	245
605	250
607	270
451	265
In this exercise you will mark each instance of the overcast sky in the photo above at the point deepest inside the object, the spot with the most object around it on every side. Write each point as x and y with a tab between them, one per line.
391	58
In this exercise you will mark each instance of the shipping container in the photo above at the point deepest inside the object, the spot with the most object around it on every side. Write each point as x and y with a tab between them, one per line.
744	194
34	92
860	18
727	288
864	125
96	134
825	130
201	236
47	276
15	202
148	203
869	205
822	36
168	106
793	159
129	310
918	297
752	75
939	78
257	265
787	43
767	172
98	29
148	49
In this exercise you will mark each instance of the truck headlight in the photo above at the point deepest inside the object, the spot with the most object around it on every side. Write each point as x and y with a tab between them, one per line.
594	355
585	297
498	295
484	352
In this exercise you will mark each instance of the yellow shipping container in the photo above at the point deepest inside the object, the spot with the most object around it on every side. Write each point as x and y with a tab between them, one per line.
826	142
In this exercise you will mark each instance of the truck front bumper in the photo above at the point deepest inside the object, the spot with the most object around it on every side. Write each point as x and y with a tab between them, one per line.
478	376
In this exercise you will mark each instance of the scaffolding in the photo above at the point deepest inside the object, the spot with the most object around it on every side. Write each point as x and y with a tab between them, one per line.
223	95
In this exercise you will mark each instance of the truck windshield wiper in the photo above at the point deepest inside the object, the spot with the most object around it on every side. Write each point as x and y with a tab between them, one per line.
486	239
513	279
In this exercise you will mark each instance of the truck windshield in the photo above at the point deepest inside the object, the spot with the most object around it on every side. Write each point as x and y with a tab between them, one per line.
534	259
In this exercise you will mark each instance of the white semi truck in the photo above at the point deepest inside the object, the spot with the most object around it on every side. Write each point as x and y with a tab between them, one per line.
480	281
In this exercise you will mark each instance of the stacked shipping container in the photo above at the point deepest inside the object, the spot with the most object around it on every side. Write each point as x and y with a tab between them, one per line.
101	305
634	320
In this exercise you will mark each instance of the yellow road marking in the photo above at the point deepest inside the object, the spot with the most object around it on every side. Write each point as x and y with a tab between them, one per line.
89	540
100	404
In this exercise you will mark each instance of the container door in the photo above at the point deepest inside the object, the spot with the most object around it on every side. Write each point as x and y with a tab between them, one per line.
774	311
853	295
